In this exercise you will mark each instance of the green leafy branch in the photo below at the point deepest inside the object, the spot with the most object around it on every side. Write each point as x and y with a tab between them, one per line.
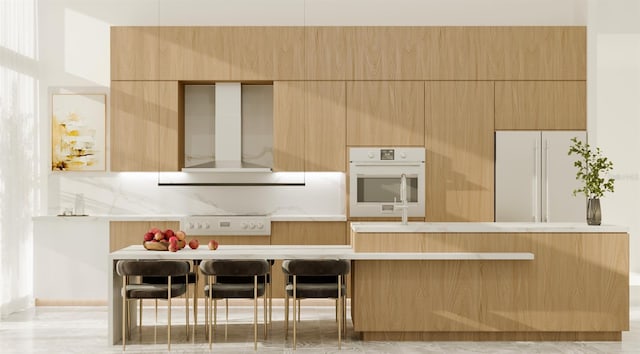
592	169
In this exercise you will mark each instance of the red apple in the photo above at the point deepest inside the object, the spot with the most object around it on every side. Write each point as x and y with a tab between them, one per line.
213	245
173	247
173	239
193	244
154	230
169	232
158	236
181	235
148	236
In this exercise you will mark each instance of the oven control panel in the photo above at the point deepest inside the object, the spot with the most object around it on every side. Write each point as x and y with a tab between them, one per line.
386	154
212	225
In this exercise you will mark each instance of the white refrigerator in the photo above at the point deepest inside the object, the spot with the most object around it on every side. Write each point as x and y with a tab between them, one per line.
535	177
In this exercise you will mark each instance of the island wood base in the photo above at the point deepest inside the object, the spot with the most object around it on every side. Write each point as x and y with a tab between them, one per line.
492	336
575	289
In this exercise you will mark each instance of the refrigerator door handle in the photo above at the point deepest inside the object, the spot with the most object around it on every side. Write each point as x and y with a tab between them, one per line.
546	180
534	186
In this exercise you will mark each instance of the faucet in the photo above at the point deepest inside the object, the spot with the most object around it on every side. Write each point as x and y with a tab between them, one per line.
403	199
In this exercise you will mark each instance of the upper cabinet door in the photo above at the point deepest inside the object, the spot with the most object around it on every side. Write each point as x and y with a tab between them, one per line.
232	53
391	53
459	142
146	131
541	105
385	113
326	130
288	125
309	129
134	53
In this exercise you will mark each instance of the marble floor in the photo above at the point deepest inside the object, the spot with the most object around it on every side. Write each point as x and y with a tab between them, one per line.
83	330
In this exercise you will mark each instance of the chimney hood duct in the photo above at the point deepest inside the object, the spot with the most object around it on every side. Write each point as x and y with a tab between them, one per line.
228	134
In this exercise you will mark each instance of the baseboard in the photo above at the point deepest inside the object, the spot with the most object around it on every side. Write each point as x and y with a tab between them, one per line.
70	302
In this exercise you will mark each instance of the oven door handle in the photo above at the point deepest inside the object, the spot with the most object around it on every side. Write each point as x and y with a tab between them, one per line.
388	164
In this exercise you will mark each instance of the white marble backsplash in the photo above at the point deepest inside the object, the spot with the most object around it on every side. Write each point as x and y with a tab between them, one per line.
138	193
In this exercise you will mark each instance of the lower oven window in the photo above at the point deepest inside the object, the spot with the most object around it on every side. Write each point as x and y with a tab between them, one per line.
385	189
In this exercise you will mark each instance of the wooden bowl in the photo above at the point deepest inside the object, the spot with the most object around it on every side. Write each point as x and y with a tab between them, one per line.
161	245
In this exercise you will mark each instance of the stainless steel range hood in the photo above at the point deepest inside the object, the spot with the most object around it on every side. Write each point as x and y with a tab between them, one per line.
229	138
226	119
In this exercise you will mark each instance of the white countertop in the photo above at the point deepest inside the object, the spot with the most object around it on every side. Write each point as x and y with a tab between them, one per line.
137	217
308	218
482	227
307	252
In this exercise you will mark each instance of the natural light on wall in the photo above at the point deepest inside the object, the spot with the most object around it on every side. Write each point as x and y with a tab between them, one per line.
19	150
86	47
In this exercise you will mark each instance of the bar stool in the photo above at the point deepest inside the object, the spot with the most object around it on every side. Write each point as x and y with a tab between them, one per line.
308	288
168	269
236	268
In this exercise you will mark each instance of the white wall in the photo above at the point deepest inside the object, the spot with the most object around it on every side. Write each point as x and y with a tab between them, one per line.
614	110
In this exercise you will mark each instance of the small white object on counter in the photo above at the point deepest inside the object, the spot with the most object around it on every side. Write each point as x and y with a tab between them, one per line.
482	227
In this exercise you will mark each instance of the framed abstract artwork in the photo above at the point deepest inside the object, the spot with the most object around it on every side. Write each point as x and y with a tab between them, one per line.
78	132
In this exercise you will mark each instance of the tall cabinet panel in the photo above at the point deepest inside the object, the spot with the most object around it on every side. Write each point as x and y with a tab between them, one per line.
387	113
459	142
535	177
146	130
288	125
325	133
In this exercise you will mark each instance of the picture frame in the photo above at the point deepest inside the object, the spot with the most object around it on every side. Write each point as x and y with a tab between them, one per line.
78	131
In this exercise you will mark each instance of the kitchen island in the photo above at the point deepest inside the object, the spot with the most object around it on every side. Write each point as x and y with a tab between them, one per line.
576	288
276	252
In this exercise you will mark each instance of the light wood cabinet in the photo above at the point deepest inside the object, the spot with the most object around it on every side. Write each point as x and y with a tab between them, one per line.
193	53
541	105
459	143
391	53
134	53
147	133
349	53
309	129
328	56
535	53
387	113
303	233
326	126
231	53
288	125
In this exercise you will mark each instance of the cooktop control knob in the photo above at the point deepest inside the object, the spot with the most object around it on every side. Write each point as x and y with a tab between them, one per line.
403	155
244	225
260	226
371	155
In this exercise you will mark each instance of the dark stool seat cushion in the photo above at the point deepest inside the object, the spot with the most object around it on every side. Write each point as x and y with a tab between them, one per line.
315	267
235	268
154	291
152	268
316	290
233	291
